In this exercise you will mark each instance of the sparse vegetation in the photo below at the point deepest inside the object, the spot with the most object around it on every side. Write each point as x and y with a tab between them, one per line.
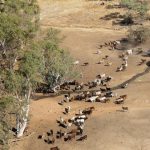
139	34
141	7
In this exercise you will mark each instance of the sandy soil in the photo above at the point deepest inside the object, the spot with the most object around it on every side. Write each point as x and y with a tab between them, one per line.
107	128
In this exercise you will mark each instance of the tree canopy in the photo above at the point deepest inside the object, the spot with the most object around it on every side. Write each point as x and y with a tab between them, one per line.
25	62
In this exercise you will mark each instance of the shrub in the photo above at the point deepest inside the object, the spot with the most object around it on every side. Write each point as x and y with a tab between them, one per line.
127	19
138	35
140	7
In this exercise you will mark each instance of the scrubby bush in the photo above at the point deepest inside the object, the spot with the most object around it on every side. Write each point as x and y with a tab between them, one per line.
138	35
140	7
127	19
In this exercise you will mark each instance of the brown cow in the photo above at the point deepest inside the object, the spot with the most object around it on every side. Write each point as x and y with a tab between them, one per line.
82	138
54	148
70	137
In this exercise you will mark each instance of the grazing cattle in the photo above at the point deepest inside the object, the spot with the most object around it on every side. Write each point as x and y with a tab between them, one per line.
97	93
102	3
80	96
106	57
64	86
124	86
61	102
86	63
124	108
79	121
70	137
92	99
117	42
67	109
119	101
139	51
91	108
80	112
50	140
79	87
125	63
129	52
109	78
64	125
50	133
123	96
88	111
101	76
67	97
54	148
69	124
98	52
122	55
100	46
82	117
92	85
72	119
76	62
82	138
73	82
74	131
61	120
119	69
108	64
102	99
125	58
97	81
105	89
60	134
40	136
101	62
110	94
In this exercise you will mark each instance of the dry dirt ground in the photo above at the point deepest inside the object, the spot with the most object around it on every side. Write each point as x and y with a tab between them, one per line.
107	128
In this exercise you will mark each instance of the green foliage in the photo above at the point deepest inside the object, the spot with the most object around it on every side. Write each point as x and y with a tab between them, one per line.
14	82
58	62
29	7
31	63
25	61
6	102
18	25
19	22
6	107
9	30
140	7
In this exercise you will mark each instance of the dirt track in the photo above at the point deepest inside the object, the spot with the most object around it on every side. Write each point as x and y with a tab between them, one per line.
107	128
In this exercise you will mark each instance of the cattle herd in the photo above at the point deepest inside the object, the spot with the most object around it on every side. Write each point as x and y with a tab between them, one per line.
97	90
73	128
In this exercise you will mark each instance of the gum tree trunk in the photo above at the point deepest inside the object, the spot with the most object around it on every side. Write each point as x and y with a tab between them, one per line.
22	119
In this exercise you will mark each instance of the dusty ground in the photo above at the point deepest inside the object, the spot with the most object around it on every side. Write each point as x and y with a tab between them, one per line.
107	128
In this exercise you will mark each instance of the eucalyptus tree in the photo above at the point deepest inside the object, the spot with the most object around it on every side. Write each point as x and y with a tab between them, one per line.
57	62
26	61
18	60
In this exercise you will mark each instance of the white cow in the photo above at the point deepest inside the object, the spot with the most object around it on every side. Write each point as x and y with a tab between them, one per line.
129	52
97	81
93	98
76	62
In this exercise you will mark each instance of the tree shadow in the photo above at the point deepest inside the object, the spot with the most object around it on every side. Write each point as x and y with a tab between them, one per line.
111	16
